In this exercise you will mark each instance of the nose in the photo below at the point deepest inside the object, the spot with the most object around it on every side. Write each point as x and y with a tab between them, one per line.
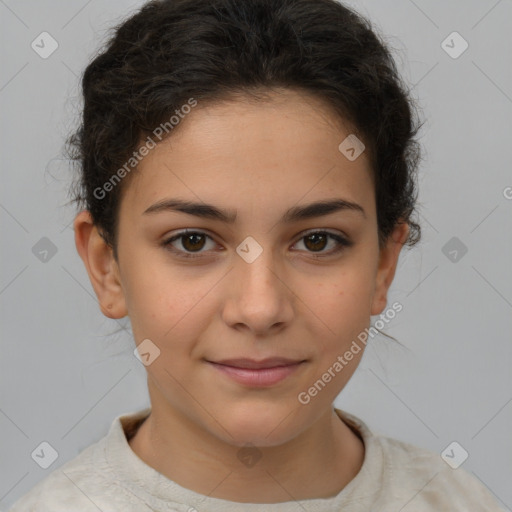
259	298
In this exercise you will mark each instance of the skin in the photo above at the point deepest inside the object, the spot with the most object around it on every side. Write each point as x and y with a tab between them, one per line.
258	159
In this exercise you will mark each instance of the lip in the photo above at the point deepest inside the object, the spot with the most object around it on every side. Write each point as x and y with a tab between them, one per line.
250	372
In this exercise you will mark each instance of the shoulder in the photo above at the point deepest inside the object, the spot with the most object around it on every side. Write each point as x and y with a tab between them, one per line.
410	478
426	482
75	484
86	483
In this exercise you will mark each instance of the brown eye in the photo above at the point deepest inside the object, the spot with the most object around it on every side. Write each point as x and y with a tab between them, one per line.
317	241
190	242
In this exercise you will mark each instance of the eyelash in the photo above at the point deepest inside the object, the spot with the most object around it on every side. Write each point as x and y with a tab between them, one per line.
341	241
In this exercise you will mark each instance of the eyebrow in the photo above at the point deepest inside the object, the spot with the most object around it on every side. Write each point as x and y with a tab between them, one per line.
294	214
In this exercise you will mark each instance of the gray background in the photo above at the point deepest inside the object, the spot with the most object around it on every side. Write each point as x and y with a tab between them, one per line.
64	379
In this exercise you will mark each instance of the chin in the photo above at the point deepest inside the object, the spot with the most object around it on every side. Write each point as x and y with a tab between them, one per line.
261	427
260	438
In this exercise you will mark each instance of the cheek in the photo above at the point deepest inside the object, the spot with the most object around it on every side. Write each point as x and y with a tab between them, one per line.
349	289
168	307
343	305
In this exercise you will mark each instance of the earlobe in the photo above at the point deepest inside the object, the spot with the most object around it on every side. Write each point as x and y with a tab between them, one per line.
388	261
101	266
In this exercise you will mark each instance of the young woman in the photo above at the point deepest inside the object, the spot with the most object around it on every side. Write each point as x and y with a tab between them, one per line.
247	184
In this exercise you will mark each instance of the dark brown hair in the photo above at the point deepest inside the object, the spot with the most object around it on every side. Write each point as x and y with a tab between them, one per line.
173	50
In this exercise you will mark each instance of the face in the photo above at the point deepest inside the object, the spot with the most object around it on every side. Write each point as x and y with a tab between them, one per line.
277	280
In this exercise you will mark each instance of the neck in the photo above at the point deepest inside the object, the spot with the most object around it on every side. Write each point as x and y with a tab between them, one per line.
318	463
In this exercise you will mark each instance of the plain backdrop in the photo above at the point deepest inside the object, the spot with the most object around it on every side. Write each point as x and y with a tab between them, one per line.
64	377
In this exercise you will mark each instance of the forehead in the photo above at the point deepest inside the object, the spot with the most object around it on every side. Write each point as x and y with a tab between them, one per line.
257	153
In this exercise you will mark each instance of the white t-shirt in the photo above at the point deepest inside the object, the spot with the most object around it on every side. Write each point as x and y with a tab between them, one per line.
395	476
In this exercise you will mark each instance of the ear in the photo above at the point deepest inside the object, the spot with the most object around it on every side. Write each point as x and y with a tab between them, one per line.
388	260
101	266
